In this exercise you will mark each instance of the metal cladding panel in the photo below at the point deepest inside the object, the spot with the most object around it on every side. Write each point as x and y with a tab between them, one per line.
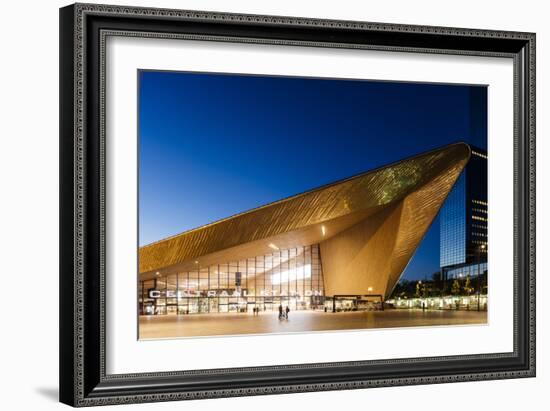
419	210
365	193
370	257
358	261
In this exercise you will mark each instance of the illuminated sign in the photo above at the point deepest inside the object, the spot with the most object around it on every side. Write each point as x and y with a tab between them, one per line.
153	293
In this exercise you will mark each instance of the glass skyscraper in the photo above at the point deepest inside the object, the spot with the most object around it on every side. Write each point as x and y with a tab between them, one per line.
463	217
463	222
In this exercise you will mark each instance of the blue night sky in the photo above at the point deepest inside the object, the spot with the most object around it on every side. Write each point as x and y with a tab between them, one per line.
214	145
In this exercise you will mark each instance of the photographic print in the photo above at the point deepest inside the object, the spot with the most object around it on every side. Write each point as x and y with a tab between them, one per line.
233	185
274	204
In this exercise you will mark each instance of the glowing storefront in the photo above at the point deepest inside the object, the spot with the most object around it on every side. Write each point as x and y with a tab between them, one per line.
349	239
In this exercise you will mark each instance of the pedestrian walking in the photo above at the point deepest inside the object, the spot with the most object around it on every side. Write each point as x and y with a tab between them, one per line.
280	311
286	312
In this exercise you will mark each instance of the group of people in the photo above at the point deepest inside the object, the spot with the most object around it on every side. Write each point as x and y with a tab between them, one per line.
283	313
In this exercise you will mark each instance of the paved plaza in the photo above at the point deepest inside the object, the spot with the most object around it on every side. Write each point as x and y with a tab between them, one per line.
171	326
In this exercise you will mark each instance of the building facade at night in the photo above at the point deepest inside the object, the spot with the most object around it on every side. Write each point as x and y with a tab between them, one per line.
464	220
347	241
291	277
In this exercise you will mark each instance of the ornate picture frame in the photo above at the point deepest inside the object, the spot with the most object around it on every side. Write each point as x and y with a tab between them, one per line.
84	380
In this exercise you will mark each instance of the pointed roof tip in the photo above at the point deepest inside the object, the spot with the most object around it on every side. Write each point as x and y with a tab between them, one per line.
463	146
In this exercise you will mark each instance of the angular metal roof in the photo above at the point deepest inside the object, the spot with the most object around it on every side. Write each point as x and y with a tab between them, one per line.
297	220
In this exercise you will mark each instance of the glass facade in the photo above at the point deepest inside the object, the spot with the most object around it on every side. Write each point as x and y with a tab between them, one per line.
468	270
291	277
453	226
476	210
464	219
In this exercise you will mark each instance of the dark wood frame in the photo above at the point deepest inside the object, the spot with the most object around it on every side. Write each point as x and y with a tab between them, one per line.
83	29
